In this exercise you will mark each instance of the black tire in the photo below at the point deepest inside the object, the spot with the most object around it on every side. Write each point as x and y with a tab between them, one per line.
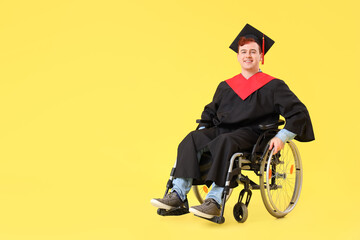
240	212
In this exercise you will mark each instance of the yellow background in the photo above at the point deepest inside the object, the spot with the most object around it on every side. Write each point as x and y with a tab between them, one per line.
96	95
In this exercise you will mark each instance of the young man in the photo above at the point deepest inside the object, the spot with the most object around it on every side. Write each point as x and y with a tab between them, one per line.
230	124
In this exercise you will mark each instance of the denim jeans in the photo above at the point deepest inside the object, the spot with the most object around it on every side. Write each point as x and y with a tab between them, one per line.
182	186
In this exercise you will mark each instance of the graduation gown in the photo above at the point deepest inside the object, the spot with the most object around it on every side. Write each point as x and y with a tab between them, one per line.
238	107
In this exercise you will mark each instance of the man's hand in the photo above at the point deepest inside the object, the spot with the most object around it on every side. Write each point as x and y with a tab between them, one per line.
277	144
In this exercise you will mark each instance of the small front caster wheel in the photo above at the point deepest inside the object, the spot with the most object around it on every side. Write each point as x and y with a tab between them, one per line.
240	212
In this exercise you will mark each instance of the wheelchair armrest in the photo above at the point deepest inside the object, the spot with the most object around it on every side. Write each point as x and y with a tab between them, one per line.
271	125
203	121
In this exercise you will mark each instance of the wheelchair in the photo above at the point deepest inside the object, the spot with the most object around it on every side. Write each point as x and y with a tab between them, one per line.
280	179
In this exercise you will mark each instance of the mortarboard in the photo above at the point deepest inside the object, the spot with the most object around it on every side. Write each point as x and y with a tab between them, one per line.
250	32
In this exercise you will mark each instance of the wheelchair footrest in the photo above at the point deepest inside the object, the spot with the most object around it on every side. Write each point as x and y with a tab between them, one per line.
216	219
173	212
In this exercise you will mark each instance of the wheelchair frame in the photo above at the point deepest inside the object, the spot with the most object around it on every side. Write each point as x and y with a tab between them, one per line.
272	173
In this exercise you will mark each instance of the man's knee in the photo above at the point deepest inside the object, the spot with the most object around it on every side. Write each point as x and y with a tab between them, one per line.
225	138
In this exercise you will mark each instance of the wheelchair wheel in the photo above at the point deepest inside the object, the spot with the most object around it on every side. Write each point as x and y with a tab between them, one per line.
240	212
281	180
201	191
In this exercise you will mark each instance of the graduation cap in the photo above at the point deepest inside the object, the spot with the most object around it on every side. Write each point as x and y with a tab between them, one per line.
250	32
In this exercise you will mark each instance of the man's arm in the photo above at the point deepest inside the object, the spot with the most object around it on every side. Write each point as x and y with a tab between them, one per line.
294	111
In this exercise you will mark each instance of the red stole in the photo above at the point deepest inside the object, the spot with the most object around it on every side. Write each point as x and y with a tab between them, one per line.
245	87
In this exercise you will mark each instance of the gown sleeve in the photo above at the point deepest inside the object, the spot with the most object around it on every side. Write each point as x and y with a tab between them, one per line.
210	110
295	113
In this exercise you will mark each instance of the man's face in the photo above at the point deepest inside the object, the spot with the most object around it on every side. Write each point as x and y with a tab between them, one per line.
249	56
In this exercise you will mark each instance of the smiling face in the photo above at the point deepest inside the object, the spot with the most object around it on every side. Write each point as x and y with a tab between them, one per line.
249	57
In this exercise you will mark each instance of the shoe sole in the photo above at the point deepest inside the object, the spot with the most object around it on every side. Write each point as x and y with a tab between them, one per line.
201	214
161	205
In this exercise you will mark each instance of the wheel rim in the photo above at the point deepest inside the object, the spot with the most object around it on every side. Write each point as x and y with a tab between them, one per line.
281	180
284	179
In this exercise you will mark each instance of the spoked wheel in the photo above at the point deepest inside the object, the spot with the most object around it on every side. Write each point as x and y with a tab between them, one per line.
201	191
240	212
281	180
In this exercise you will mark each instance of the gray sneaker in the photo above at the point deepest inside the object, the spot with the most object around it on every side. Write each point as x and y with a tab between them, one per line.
209	209
170	201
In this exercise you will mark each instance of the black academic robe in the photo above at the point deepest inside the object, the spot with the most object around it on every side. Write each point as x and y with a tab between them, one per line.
234	127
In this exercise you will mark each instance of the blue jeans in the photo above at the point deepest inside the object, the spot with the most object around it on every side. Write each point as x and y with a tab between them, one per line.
183	185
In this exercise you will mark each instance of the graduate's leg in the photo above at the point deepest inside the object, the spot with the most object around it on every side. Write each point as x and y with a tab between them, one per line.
187	168
182	187
211	206
177	197
215	193
187	165
223	147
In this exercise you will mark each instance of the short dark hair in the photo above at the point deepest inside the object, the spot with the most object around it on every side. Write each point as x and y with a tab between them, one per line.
245	40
